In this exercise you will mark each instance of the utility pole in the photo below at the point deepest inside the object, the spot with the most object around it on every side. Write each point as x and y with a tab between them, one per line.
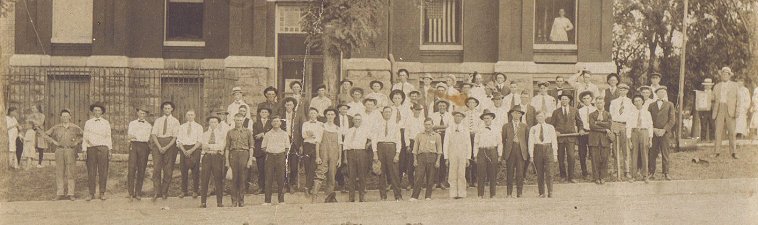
682	72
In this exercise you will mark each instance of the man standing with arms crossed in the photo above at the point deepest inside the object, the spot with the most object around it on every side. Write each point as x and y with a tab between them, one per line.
724	111
163	138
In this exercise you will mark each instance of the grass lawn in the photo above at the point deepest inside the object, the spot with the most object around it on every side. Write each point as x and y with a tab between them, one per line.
39	183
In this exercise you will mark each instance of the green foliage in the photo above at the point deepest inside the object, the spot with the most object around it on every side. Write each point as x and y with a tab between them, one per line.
342	25
647	38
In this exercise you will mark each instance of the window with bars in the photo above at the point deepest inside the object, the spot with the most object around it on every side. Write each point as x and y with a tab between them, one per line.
441	22
290	18
184	20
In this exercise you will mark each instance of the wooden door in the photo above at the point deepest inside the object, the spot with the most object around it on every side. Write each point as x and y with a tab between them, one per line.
186	94
67	92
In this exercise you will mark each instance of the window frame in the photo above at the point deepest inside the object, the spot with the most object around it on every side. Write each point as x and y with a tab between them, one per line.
183	43
424	46
555	46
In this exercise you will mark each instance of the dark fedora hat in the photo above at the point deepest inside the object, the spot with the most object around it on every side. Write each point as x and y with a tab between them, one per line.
487	113
517	108
97	105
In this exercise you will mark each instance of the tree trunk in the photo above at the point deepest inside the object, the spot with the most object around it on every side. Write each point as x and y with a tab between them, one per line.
4	151
331	70
753	63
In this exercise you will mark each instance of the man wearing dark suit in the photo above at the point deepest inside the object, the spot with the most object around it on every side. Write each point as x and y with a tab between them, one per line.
530	116
515	151
271	102
566	120
611	92
663	123
260	127
344	122
600	139
292	123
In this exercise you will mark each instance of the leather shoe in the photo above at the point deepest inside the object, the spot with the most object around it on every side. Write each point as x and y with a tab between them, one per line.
102	196
194	194
715	155
89	198
71	198
571	181
203	205
666	177
220	205
734	156
182	195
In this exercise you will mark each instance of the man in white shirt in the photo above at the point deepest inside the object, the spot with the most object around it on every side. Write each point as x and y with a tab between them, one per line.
512	99
582	81
386	146
726	97
312	132
584	114
98	142
188	142
647	96
488	149
402	83
498	108
276	143
543	102
139	136
235	106
639	127
356	106
357	157
620	108
321	102
214	145
456	149
163	138
543	150
414	126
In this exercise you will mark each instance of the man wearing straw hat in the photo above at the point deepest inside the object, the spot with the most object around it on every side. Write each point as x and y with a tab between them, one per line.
238	101
725	110
139	136
566	120
456	149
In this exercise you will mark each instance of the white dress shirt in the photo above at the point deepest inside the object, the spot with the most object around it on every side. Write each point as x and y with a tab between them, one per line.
140	130
369	120
381	99
171	127
501	115
457	138
436	117
355	108
316	128
320	104
549	103
219	141
404	86
488	136
357	137
633	121
647	103
97	132
548	137
616	107
584	114
414	126
234	108
405	113
511	99
187	136
389	131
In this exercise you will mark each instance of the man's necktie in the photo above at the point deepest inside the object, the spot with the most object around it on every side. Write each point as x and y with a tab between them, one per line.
386	128
442	121
165	125
542	134
398	114
189	129
515	132
621	110
639	119
564	112
544	104
513	100
212	138
97	120
141	121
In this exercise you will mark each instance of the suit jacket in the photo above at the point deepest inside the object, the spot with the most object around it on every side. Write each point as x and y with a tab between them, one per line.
508	139
731	99
275	107
566	124
610	97
664	117
531	116
598	129
297	136
258	128
349	121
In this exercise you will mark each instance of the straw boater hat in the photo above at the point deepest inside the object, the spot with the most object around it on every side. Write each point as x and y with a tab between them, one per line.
644	87
487	113
343	105
708	82
441	84
726	69
467	83
656	74
543	83
220	111
236	89
585	93
661	88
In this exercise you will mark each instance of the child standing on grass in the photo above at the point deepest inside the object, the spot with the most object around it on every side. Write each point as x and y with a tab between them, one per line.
30	139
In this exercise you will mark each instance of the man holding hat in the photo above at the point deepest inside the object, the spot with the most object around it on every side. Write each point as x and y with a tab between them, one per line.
138	133
456	149
724	110
620	110
543	102
566	121
488	148
98	143
163	137
238	101
515	150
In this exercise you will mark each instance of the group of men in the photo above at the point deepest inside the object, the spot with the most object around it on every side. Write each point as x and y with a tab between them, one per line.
458	141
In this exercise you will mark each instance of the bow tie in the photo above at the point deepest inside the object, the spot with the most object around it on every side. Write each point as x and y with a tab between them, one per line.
488	128
96	120
141	121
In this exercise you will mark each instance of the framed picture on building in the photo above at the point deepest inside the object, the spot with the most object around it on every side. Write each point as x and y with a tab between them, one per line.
555	22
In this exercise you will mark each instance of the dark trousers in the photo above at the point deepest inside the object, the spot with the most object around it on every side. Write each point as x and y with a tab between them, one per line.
514	170
163	167
706	125
136	168
260	163
660	146
19	150
97	168
639	152
386	152
275	173
566	155
425	174
442	171
356	172
238	163
292	163
406	163
471	169
189	164
600	161
486	167
309	150
41	154
213	165
583	149
543	155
